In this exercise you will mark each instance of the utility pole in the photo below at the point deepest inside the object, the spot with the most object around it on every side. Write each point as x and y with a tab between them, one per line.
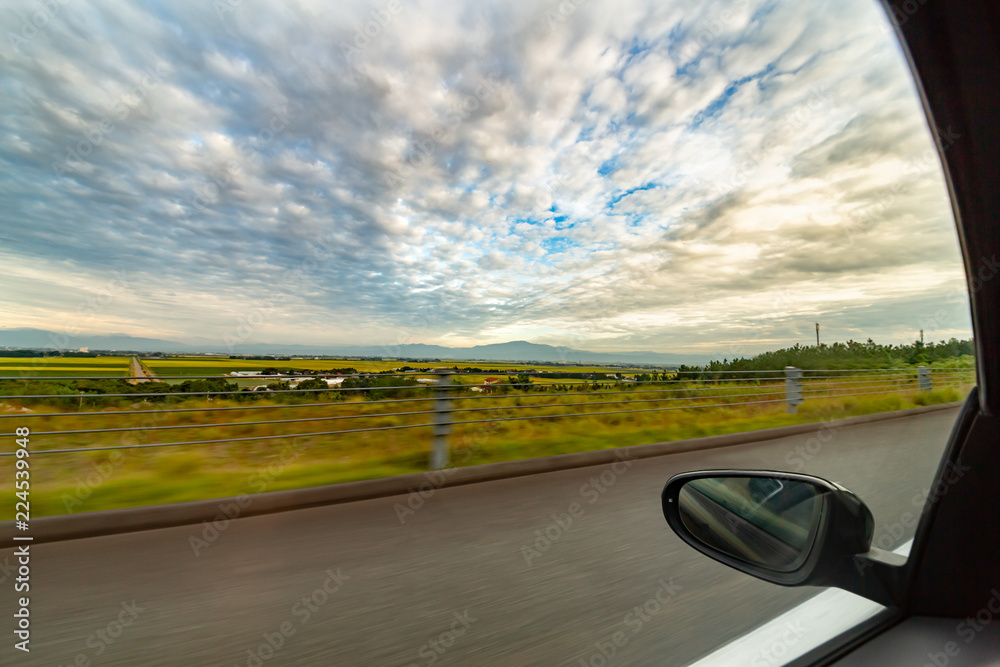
921	336
817	334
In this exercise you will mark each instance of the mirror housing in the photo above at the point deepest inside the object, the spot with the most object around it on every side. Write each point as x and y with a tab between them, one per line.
835	549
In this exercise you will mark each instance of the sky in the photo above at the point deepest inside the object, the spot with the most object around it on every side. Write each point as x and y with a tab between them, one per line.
709	177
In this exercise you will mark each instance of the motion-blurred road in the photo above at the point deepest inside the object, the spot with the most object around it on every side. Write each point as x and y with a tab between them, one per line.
462	580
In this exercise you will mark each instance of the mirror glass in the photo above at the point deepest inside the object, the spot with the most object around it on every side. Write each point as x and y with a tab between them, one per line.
765	521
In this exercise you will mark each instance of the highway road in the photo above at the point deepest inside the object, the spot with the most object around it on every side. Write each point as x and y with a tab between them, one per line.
463	580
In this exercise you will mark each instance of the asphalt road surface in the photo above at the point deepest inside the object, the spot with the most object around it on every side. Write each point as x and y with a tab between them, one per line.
463	580
137	371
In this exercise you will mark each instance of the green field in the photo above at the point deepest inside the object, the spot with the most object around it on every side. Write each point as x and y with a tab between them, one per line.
192	366
87	481
220	366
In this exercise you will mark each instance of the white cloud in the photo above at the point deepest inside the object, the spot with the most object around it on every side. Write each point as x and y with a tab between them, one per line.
638	174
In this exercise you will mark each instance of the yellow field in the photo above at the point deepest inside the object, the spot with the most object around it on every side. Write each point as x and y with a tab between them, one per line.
47	366
199	365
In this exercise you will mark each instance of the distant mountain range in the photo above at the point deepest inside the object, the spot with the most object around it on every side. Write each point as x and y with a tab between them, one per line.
39	339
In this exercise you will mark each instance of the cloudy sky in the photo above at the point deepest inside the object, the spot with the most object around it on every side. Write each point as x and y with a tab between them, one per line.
610	175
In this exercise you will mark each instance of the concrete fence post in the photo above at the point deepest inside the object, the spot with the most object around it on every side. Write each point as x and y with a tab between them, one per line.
441	419
923	378
793	389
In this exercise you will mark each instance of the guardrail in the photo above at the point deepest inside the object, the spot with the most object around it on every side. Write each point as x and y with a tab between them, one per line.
444	404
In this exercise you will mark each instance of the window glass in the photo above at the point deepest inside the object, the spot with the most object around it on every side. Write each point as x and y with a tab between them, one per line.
593	206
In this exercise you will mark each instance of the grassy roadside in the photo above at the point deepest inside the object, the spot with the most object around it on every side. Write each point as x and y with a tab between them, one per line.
70	483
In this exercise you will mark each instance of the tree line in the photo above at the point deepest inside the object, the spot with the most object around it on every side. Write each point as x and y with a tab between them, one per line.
839	356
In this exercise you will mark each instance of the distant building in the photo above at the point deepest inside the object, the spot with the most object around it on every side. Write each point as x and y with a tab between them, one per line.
84	349
330	382
489	385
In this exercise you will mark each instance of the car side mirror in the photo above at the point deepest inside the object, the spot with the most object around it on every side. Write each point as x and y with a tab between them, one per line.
786	528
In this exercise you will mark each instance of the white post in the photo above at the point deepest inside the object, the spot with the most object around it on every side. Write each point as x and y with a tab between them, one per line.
441	419
923	378
793	389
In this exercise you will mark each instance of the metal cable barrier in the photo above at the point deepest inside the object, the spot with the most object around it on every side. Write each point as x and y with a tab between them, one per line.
160	414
